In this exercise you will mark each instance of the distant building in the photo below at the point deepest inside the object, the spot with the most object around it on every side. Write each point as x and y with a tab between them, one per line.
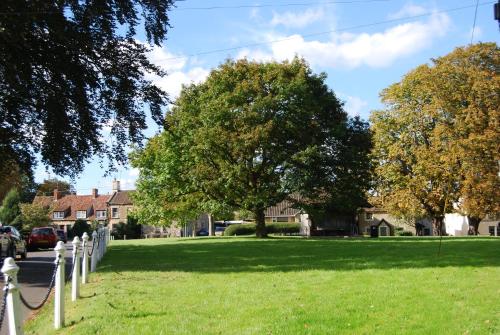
65	209
119	205
282	212
387	224
458	225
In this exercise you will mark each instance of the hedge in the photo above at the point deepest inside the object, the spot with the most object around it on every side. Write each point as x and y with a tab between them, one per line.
272	228
283	228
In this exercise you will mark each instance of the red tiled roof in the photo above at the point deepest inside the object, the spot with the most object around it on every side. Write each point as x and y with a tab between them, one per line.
121	198
100	203
43	200
72	203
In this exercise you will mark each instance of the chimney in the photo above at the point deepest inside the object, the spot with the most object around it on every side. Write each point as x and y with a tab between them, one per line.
57	194
116	185
94	193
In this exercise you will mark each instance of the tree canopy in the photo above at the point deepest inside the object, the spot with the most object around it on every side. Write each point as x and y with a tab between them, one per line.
34	215
48	186
253	134
437	142
10	212
70	68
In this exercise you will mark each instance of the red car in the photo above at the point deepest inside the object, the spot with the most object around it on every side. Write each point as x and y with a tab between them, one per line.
42	237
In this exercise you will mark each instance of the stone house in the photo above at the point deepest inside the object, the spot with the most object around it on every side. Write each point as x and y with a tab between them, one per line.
65	209
119	205
282	212
388	224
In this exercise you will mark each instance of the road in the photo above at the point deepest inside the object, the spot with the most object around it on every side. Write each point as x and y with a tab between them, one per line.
34	277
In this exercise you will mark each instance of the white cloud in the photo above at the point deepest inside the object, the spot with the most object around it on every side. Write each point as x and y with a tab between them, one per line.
408	10
254	13
134	172
351	50
297	20
177	72
354	106
128	183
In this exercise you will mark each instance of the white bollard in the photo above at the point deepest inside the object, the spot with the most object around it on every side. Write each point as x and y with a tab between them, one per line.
9	270
75	279
103	240
99	254
60	282
93	259
98	245
85	258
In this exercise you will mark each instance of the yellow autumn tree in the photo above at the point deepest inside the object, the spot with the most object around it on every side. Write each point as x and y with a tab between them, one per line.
437	142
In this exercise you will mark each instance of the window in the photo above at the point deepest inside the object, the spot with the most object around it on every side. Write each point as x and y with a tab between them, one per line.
369	216
58	215
368	229
101	214
383	231
114	213
81	214
282	219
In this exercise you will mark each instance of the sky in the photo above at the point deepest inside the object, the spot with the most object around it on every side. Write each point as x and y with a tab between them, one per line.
362	45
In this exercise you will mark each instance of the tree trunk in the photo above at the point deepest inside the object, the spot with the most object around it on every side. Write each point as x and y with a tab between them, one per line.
473	224
260	223
313	231
210	225
438	227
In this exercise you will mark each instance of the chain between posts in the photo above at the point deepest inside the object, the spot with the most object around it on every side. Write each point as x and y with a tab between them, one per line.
3	307
94	246
72	268
4	302
44	300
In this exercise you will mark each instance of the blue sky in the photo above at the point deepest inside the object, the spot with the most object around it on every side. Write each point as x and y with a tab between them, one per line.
362	45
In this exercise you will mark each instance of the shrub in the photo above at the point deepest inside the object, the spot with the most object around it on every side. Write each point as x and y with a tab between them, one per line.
240	229
405	233
283	228
131	229
272	228
79	227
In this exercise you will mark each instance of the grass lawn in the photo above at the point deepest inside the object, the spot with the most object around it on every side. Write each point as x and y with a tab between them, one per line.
288	286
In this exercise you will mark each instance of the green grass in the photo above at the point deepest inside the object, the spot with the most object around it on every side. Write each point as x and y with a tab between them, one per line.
288	286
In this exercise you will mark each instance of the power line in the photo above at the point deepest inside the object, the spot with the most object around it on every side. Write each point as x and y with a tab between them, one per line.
474	24
298	4
323	32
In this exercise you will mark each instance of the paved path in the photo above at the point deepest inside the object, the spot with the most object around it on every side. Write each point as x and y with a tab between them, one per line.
34	277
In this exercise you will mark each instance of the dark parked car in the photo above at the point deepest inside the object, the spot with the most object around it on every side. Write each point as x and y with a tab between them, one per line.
42	237
202	232
12	243
219	231
61	236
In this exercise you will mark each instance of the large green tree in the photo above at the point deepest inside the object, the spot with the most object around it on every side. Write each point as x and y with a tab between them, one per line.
10	211
437	142
240	139
67	69
48	186
34	215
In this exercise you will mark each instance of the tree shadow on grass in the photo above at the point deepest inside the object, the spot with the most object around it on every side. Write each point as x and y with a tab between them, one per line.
292	254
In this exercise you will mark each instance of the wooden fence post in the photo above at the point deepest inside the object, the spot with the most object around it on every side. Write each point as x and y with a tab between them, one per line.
9	270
